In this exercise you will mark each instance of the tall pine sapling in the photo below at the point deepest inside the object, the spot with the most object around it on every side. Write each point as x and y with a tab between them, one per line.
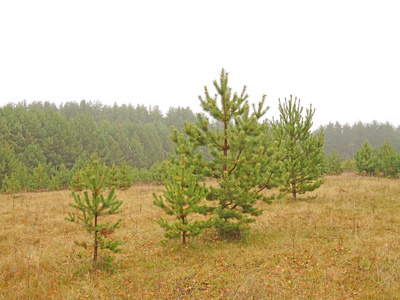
234	159
182	197
95	206
303	151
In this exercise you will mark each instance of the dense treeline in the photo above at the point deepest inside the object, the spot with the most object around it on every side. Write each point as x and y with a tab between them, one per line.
49	143
42	138
346	139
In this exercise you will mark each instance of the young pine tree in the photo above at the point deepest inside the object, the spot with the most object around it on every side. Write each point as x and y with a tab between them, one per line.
39	179
365	159
388	160
303	151
234	157
182	197
11	184
94	206
61	177
124	177
158	171
78	180
333	164
113	175
120	177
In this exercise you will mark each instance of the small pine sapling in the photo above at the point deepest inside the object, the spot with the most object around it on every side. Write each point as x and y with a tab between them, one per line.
11	184
333	164
119	177
61	176
39	179
95	206
124	177
78	181
388	160
113	174
158	171
365	159
182	197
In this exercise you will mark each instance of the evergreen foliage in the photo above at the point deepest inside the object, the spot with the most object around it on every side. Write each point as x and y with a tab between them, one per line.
303	151
365	159
346	139
20	171
78	182
234	148
12	184
182	197
112	178
333	164
348	165
61	177
120	177
270	156
124	179
159	172
39	180
95	206
388	160
144	175
7	159
41	132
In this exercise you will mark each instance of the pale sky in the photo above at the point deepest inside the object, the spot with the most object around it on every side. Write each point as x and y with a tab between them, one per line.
343	57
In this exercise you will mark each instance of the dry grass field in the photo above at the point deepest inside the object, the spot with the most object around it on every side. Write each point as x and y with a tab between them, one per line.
345	244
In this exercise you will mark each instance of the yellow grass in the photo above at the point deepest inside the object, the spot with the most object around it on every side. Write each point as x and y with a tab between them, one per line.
343	244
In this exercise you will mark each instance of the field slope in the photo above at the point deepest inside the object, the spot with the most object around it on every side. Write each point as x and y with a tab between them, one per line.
343	244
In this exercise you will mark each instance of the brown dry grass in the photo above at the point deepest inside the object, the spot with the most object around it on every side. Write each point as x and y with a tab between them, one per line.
342	245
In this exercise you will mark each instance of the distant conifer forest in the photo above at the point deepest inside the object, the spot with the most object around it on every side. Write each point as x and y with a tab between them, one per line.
42	145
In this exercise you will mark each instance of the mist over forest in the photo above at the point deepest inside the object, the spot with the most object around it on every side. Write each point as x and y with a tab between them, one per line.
346	139
65	136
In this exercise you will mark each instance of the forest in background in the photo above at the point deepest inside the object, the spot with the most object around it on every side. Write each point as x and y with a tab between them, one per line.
346	139
42	139
61	139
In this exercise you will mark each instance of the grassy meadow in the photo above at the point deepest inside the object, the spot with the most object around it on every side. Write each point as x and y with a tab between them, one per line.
344	244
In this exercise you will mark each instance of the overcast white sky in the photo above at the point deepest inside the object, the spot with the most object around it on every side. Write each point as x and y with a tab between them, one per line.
343	57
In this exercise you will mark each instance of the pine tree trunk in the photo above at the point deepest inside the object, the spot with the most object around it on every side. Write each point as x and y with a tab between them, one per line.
184	237
294	192
225	145
183	232
225	154
96	243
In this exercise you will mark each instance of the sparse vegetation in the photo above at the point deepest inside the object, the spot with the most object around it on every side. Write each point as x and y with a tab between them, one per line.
341	245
